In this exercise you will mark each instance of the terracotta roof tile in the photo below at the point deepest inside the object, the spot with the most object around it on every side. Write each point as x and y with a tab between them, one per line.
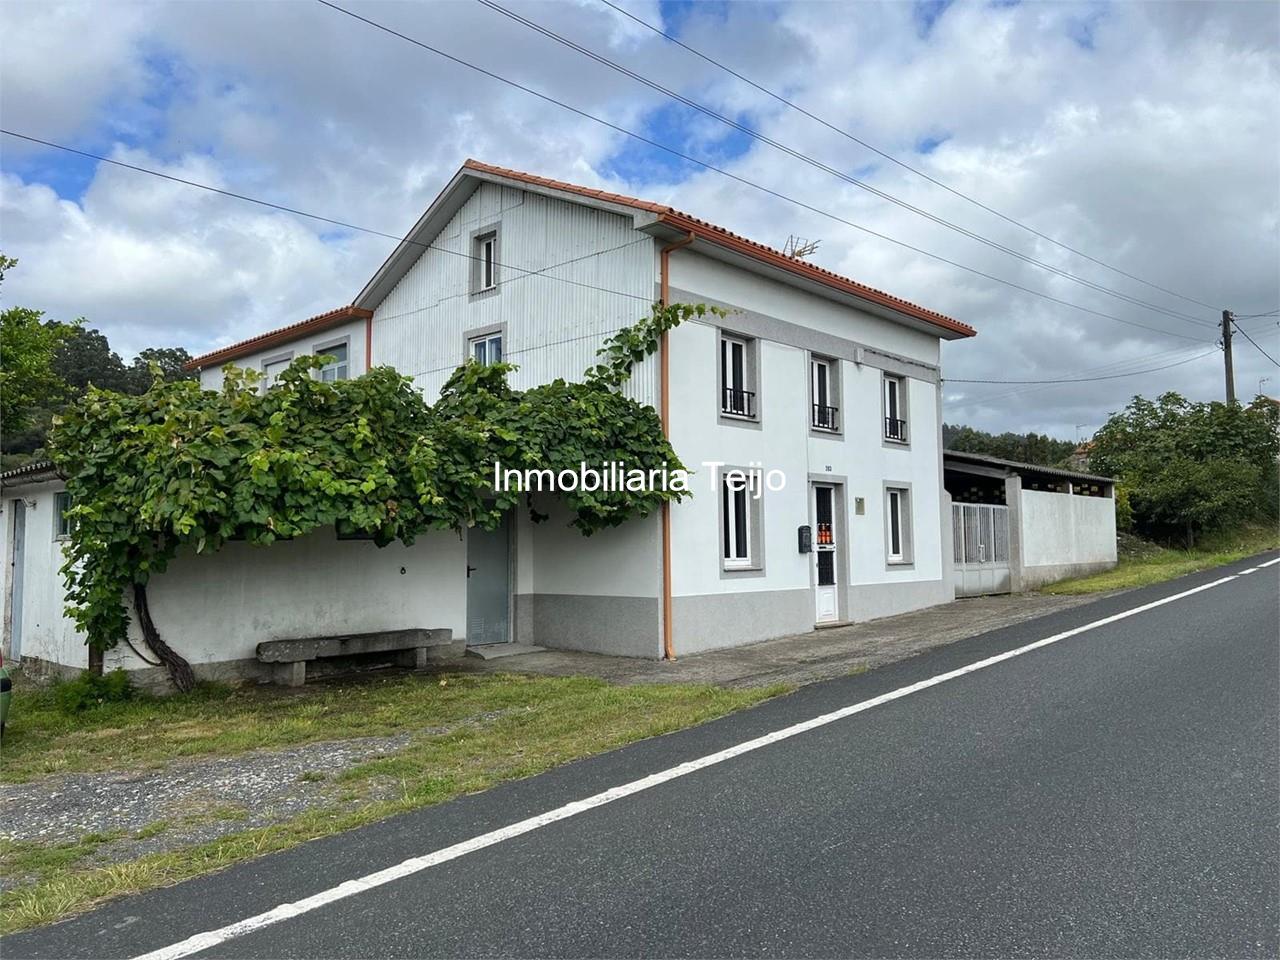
717	234
316	324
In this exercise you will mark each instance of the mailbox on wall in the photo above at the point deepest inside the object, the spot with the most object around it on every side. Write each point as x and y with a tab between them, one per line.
805	538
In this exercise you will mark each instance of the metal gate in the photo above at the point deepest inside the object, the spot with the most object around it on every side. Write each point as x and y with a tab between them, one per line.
980	537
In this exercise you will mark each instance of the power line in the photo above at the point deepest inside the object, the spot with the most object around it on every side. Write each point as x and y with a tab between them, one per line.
1255	316
892	159
826	168
542	271
1115	366
1114	376
743	180
342	223
1255	344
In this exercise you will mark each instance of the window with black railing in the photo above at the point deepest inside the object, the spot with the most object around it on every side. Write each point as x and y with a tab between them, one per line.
826	417
739	403
895	429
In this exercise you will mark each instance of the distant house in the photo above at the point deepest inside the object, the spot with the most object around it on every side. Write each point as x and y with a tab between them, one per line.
833	383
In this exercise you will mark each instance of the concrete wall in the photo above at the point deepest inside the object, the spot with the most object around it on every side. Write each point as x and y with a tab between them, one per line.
353	334
716	608
1063	535
597	593
216	609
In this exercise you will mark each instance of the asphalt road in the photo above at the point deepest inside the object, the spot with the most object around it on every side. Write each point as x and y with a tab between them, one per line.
1113	794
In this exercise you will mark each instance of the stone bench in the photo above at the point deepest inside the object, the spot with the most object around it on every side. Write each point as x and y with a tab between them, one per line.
414	648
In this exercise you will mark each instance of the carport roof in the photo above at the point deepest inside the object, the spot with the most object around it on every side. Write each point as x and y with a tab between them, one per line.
950	457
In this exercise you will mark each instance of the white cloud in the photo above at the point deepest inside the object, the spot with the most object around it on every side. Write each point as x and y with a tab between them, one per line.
1155	150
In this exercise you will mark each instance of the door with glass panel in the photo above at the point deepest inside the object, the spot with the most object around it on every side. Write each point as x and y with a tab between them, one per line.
825	575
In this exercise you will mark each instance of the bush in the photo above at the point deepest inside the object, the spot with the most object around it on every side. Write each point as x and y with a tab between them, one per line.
90	691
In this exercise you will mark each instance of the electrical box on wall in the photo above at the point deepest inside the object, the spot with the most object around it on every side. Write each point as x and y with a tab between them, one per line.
805	538
859	506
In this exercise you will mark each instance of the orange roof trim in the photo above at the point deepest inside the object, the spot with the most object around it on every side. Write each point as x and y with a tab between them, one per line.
263	341
712	233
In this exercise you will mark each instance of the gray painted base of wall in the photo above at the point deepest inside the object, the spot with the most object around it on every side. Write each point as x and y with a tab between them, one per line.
617	626
33	668
1033	577
251	670
871	601
714	620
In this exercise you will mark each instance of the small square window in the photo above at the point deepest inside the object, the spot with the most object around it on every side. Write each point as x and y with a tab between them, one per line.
485	350
339	369
271	371
62	524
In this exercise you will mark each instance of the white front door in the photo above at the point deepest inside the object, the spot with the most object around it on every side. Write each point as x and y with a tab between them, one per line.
825	579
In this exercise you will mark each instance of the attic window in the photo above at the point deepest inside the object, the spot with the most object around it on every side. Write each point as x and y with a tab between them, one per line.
485	263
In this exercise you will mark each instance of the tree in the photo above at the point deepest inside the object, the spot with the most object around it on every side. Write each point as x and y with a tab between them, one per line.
45	363
168	363
178	467
85	358
1023	447
1192	468
28	381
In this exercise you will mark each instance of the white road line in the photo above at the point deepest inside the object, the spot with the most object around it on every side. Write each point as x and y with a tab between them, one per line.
286	911
1241	573
1269	563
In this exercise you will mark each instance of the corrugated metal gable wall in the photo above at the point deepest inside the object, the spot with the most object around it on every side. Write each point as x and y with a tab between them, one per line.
553	329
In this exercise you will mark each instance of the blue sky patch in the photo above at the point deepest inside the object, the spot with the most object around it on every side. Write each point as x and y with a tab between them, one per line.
671	124
927	13
676	12
1083	29
926	145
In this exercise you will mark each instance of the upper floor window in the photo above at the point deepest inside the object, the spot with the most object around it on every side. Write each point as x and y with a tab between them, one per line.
62	524
271	370
895	409
737	377
485	263
486	349
824	394
340	368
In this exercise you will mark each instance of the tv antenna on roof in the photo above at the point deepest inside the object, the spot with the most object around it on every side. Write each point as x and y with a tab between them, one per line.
798	247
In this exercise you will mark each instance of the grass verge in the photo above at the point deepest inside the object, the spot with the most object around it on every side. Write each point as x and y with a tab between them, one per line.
1142	562
530	725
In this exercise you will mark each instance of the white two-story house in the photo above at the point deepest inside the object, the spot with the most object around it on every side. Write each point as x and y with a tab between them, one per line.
832	386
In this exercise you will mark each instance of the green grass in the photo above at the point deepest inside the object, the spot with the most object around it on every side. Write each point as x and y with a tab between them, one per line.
494	727
1142	563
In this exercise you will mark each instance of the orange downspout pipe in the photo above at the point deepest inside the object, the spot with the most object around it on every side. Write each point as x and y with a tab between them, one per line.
664	413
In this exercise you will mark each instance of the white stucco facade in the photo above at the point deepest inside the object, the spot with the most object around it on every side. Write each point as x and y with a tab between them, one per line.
569	271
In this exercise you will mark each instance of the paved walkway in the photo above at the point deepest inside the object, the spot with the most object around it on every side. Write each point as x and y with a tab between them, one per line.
807	657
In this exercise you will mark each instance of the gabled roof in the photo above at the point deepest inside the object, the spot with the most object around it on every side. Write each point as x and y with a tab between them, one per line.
655	218
651	217
317	324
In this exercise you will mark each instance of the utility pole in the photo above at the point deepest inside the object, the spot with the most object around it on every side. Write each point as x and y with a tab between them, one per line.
1226	356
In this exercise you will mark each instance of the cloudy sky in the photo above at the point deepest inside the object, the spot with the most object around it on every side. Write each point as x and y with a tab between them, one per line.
1145	136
